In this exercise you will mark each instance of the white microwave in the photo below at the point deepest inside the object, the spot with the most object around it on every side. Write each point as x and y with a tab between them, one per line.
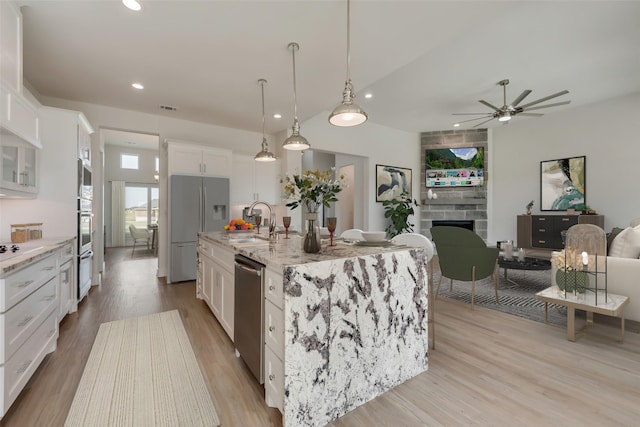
85	187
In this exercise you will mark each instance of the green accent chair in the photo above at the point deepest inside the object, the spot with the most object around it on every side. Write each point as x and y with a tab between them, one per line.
464	256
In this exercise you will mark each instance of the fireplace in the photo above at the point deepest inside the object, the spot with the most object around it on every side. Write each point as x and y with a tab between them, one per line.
462	223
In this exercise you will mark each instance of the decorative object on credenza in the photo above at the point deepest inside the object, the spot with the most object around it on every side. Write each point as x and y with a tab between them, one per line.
398	211
562	184
392	182
529	207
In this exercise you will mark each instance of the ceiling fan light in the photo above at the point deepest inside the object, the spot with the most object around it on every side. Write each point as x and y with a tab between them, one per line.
505	118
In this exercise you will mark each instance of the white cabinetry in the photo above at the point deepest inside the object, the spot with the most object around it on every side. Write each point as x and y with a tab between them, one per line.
19	116
251	181
274	340
216	282
66	281
11	45
185	159
19	168
28	310
84	139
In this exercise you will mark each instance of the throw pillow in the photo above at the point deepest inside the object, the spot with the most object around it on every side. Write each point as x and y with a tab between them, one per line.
626	244
611	236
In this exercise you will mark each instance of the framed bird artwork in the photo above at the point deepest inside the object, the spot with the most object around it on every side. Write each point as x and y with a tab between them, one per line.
392	182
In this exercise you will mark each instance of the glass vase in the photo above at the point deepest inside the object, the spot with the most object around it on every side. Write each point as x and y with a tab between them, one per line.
312	237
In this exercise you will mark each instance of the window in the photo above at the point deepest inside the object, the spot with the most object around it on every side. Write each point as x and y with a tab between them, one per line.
129	161
157	164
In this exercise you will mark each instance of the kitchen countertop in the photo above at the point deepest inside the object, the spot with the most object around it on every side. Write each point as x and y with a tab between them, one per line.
31	251
287	252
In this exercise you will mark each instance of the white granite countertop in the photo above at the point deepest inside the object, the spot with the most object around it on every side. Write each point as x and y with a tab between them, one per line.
31	251
289	251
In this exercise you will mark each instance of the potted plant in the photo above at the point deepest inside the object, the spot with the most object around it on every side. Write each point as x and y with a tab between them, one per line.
529	207
398	211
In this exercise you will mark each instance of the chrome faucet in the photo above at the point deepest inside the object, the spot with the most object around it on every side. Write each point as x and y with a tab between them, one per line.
272	217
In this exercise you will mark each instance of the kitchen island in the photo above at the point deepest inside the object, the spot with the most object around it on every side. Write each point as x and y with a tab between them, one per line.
354	322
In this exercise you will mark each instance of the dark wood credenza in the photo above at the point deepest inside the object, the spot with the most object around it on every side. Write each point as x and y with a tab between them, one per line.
544	231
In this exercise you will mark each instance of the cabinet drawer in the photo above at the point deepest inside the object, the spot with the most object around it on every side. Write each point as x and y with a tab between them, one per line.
273	288
19	323
274	328
18	285
205	248
19	368
273	380
65	253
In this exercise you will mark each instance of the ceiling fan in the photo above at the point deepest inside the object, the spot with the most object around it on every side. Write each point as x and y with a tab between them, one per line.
506	112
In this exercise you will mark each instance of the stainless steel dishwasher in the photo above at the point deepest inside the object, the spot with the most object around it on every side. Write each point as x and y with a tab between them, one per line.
248	333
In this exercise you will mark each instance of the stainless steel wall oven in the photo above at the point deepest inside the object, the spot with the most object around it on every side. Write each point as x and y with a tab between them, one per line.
85	228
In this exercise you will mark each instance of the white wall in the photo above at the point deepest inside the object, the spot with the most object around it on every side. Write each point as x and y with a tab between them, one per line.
604	132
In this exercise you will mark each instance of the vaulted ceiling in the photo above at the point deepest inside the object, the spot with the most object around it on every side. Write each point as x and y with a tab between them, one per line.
421	60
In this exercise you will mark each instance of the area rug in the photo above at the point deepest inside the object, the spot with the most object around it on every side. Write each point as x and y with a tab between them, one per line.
142	372
517	296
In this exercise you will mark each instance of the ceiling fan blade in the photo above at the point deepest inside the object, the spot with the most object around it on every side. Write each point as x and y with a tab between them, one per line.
531	114
479	124
477	118
470	114
522	96
546	106
546	98
489	105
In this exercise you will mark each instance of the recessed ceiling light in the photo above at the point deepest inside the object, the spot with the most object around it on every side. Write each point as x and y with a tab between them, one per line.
277	116
455	125
368	95
137	86
132	4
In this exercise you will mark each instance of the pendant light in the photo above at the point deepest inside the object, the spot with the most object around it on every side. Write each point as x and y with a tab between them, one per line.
348	113
295	141
264	155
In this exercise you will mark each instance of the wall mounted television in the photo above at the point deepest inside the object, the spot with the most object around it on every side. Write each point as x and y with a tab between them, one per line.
454	167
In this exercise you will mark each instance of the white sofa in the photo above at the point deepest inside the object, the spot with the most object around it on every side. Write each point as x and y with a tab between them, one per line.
623	270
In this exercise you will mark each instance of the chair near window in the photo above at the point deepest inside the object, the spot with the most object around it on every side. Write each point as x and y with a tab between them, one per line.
464	256
139	235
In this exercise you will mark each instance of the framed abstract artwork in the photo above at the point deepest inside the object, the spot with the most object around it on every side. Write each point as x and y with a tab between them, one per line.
392	182
562	184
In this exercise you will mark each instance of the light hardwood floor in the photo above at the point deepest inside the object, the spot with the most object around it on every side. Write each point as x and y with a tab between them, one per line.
488	368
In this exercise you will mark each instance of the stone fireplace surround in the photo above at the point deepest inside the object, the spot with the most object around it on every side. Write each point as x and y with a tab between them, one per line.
461	203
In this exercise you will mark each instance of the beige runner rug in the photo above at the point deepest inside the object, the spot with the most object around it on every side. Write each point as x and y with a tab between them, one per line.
142	372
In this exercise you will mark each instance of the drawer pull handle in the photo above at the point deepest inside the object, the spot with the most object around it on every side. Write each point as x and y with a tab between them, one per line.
272	377
23	284
48	268
542	241
23	367
542	219
49	298
272	288
271	329
25	321
542	230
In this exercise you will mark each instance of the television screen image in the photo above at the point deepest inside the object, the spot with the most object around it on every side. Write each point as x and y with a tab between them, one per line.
454	167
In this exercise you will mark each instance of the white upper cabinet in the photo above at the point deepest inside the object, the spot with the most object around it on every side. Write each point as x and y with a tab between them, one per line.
19	116
19	168
11	45
251	180
185	159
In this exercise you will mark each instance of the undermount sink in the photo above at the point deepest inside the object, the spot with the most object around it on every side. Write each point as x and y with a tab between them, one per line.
253	240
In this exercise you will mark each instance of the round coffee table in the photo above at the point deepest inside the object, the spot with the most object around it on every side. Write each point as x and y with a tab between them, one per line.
529	263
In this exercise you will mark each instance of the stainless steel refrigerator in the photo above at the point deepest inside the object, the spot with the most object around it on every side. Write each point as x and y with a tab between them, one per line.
196	204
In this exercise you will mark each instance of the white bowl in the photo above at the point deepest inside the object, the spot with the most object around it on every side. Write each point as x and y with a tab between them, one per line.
374	236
